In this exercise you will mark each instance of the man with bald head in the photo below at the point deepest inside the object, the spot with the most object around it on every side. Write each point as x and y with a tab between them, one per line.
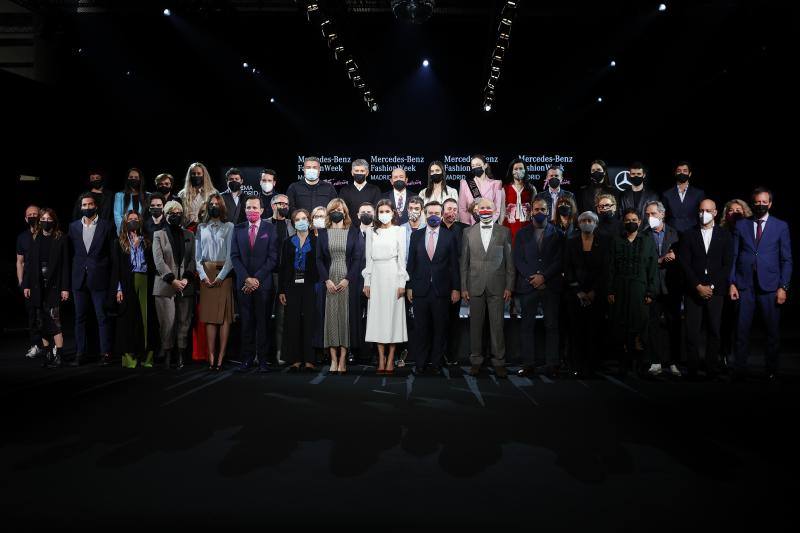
706	256
399	195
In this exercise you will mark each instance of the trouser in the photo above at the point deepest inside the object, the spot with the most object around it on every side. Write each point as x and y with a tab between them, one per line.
727	331
665	329
431	314
699	311
300	317
175	319
254	310
140	290
750	300
453	337
550	301
587	324
33	326
479	306
276	324
83	298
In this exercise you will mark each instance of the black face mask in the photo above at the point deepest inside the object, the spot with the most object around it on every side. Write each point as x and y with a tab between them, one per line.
564	210
681	177
759	210
606	215
554	183
631	227
437	178
399	185
636	180
477	172
197	181
133	184
163	189
360	178
133	225
32	221
336	217
283	211
174	220
89	213
733	218
48	225
96	184
366	219
234	186
156	211
598	177
213	211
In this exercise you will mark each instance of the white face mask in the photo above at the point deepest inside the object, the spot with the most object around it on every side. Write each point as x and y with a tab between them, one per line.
706	217
654	222
311	174
385	218
267	186
319	222
413	216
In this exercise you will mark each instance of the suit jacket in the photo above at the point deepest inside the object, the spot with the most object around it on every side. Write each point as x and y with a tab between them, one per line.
683	215
105	205
236	213
487	271
93	267
669	273
439	275
258	262
583	275
771	258
57	272
353	255
389	195
166	268
286	270
626	201
699	267
545	195
530	260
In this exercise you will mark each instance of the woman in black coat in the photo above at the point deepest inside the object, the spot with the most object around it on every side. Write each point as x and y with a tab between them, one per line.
46	282
599	183
297	277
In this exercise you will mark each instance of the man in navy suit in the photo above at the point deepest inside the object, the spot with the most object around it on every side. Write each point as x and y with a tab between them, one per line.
762	269
552	191
432	287
254	254
682	201
91	238
399	195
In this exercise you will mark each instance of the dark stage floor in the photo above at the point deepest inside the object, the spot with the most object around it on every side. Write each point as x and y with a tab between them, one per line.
105	446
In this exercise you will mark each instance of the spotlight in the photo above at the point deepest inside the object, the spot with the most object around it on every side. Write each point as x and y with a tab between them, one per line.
272	100
167	12
613	64
254	70
245	65
599	99
425	63
487	107
662	7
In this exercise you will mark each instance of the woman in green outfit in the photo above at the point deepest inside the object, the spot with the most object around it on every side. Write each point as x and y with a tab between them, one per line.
632	279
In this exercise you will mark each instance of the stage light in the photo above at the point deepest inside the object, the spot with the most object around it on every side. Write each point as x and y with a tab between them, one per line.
599	99
245	65
487	107
425	63
167	12
254	70
374	106
613	64
272	100
662	7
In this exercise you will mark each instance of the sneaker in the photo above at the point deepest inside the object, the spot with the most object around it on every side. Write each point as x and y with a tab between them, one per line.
673	369
655	369
33	352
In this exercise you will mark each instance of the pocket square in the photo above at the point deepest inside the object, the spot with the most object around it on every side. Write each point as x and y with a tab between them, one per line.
265	236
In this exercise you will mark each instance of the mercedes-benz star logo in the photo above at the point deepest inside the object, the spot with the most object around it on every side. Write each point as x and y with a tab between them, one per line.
621	180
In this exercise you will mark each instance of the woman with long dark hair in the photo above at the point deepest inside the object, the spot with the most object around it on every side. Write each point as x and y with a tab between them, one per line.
519	192
131	198
599	183
437	188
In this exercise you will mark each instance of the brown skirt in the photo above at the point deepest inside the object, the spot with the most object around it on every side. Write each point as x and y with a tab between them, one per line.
216	304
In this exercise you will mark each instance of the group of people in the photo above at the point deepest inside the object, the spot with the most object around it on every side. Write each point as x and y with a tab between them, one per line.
318	271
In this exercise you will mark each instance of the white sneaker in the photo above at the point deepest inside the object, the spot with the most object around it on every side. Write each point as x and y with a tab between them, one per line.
673	369
34	351
655	369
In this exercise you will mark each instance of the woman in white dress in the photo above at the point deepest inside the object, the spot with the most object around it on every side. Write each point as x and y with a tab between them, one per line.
437	188
385	285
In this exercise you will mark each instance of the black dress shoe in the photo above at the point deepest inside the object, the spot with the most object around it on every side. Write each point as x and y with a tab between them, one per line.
244	368
105	359
526	372
75	361
264	368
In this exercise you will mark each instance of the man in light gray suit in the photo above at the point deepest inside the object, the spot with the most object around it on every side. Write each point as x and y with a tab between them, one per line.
487	277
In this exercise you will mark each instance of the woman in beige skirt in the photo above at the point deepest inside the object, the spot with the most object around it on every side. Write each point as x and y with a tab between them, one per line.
213	257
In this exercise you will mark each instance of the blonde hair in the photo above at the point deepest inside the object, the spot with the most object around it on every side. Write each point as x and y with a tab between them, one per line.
333	204
746	211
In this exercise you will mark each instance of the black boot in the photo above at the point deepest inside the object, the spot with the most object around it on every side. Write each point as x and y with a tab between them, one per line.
167	358
180	358
56	358
47	358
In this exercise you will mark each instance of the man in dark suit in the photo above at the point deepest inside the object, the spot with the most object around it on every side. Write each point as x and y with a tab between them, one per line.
760	276
284	230
91	238
552	191
233	197
537	258
399	195
638	196
682	201
451	223
433	286
103	197
706	254
254	254
360	191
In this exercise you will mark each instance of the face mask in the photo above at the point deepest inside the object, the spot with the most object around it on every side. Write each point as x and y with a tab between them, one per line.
554	183
156	212
598	177
163	189
434	221
133	225
399	185
366	219
336	216
319	222
385	218
214	211
564	210
234	186
413	216
706	217
540	217
681	177
759	210
301	225
631	227
733	218
486	215
437	177
267	186
174	220
32	221
518	174
197	181
636	180
89	213
283	211
654	222
253	216
311	174
587	227
133	183
477	172
97	184
48	225
360	178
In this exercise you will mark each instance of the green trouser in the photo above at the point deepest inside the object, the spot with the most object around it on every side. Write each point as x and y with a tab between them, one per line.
129	360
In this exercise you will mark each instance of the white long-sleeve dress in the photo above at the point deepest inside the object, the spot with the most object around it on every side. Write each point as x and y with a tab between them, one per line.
384	274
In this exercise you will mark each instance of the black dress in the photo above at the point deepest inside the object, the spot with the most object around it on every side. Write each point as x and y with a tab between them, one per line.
301	314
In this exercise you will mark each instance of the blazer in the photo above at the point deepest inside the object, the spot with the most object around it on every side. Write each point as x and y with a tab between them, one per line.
389	195
57	271
699	267
105	205
771	258
286	269
93	267
353	255
683	215
164	260
626	201
439	275
258	262
488	271
530	260
545	195
235	213
582	275
669	274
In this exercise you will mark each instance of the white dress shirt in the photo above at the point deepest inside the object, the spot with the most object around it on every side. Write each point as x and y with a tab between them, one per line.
763	225
486	235
706	233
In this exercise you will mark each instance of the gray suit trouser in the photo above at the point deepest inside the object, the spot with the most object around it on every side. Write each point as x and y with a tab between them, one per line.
479	306
174	320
